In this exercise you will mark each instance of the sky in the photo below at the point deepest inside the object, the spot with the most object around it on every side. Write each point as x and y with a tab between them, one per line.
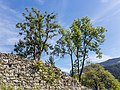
104	13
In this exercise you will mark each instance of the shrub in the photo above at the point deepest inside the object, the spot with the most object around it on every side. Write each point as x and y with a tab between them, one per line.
48	74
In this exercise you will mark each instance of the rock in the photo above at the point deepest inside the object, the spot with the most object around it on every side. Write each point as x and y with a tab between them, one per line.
20	71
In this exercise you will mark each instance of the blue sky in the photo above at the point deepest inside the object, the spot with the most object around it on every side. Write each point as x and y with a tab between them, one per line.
104	13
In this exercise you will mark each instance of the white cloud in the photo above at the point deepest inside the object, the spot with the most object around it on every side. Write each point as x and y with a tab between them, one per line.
103	1
67	70
6	48
41	1
93	59
115	13
113	5
6	7
7	10
8	32
12	41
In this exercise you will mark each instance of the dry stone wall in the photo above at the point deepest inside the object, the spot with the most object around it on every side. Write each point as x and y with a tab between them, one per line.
20	71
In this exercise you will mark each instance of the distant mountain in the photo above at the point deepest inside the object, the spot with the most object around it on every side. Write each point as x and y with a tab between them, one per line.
113	66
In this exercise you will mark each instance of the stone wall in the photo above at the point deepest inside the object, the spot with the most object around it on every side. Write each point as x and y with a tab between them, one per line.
20	71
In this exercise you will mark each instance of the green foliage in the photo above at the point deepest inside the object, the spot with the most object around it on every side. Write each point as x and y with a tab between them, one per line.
36	29
65	46
86	38
48	74
96	77
78	41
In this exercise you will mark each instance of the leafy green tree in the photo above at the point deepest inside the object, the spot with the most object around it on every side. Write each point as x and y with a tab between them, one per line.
86	38
97	78
65	46
36	29
76	38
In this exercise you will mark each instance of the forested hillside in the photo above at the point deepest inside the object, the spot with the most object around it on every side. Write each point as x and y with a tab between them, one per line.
113	66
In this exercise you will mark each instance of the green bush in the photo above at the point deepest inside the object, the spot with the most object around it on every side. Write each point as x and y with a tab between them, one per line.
48	74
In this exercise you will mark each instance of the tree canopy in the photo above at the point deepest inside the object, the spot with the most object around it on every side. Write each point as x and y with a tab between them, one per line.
36	30
96	77
80	39
86	38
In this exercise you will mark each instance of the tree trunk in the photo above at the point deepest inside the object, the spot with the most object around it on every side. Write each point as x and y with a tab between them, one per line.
71	64
83	62
35	52
39	57
43	46
78	61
